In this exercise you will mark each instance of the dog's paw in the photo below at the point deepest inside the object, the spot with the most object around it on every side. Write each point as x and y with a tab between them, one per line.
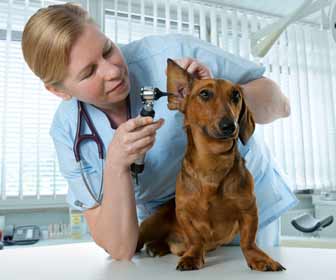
157	248
190	263
265	265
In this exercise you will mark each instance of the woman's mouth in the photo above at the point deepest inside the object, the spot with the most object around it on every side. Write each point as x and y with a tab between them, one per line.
120	86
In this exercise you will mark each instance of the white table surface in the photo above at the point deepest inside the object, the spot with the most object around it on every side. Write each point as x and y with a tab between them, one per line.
87	261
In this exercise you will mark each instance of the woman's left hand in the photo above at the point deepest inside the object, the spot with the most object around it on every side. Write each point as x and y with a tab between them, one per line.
194	67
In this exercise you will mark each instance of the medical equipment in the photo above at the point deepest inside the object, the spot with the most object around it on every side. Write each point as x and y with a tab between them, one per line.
307	224
148	95
78	225
79	138
21	235
263	40
328	195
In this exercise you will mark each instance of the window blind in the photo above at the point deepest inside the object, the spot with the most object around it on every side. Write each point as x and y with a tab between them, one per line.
129	20
28	165
302	62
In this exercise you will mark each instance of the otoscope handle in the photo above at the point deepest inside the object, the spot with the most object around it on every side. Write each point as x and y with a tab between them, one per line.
139	165
145	113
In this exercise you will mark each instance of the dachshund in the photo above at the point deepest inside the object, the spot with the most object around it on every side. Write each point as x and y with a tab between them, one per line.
215	197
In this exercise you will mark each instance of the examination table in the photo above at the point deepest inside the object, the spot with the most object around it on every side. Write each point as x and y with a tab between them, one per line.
88	261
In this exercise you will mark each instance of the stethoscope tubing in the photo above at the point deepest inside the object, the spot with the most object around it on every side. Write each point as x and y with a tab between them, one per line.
82	113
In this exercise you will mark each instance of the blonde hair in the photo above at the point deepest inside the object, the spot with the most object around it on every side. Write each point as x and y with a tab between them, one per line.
48	37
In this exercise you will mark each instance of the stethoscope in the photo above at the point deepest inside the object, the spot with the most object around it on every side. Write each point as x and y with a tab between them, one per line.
79	138
148	95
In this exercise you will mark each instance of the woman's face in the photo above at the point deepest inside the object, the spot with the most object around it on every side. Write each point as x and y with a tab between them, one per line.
97	72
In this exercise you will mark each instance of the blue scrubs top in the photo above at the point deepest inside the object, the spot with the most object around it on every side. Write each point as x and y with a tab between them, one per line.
147	61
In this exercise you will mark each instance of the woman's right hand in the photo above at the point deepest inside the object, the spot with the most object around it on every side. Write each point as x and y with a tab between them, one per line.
131	140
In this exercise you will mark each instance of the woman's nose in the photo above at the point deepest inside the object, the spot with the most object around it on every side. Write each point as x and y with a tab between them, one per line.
110	71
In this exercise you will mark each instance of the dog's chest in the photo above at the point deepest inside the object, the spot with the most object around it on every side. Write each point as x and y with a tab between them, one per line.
218	222
222	213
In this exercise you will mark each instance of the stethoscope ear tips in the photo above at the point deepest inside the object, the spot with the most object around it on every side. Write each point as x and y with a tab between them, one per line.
79	204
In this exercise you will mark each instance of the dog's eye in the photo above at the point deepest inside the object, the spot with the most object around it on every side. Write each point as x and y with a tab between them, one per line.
205	94
235	96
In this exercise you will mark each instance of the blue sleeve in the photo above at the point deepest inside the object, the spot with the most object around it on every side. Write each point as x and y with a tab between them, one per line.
70	170
223	65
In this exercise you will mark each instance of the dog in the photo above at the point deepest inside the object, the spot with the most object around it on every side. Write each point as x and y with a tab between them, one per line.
214	199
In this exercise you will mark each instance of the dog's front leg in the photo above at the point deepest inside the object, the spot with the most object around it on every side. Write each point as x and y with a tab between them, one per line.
193	258
255	257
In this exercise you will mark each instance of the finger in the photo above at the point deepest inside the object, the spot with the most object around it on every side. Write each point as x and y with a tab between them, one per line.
147	130
140	153
193	67
199	70
137	122
143	151
136	147
184	62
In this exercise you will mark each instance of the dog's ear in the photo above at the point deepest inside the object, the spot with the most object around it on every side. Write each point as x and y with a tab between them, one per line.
178	82
246	123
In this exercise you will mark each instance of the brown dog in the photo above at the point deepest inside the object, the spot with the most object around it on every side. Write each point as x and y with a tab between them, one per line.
214	190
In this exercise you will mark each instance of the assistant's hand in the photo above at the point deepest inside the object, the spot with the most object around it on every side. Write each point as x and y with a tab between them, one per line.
131	140
194	67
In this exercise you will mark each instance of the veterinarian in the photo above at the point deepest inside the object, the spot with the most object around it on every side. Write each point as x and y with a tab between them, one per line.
65	49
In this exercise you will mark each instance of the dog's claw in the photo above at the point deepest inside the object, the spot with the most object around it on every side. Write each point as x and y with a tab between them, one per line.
150	253
190	263
182	267
281	268
266	266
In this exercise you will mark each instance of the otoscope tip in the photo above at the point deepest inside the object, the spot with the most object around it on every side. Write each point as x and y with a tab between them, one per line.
159	93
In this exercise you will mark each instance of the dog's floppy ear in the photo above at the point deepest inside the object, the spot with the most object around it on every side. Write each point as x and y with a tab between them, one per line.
246	123
178	82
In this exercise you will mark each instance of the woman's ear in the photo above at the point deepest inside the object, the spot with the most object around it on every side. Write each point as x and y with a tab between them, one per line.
58	91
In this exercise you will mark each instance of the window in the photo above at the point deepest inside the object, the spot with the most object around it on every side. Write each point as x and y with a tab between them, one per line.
28	165
302	62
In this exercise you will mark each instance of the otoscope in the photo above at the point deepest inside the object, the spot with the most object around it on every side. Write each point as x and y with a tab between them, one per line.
148	95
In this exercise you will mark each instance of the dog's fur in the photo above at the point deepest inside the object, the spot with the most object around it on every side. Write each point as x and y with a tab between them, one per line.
214	191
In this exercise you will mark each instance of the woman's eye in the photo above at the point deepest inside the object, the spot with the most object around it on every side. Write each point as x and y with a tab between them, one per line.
89	74
206	94
108	52
235	96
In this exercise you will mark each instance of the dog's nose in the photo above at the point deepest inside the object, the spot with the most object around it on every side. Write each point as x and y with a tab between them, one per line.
227	126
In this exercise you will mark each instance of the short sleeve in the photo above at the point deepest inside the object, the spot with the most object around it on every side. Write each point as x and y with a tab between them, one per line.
69	168
224	65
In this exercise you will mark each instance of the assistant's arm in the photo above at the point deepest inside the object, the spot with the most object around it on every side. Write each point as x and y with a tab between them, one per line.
265	100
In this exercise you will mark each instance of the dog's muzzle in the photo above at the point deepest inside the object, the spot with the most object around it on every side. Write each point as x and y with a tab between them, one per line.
227	127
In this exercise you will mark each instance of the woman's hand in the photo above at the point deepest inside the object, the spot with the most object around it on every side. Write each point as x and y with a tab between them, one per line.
131	140
194	67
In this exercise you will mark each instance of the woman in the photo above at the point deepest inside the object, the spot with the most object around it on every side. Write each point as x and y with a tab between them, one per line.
77	62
